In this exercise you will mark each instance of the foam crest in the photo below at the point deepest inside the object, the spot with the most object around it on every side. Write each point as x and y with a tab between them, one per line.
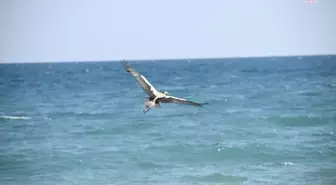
15	117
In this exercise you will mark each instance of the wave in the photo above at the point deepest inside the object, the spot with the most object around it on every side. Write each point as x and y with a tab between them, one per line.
288	163
55	115
149	165
297	120
216	177
214	153
15	117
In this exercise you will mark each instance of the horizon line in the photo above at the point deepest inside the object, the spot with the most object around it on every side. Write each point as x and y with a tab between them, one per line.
165	59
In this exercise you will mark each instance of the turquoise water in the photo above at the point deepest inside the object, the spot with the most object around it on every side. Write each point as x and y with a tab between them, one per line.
269	121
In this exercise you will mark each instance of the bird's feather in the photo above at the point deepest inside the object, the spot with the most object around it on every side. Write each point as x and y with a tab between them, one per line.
144	83
172	99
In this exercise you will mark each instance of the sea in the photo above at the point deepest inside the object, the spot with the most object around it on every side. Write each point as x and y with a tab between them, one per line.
269	120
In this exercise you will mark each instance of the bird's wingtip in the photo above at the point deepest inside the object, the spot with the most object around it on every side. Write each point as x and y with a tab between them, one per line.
124	63
205	103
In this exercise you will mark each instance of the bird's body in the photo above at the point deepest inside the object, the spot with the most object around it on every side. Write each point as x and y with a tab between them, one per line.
149	103
154	96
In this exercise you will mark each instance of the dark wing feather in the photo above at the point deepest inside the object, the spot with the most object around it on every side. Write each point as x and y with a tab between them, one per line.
147	87
172	99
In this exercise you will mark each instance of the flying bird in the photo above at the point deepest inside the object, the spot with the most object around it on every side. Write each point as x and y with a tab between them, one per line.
155	97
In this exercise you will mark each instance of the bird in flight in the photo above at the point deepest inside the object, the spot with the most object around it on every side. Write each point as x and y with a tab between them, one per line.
155	97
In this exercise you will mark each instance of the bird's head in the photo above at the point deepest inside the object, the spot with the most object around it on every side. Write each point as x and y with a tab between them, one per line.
165	93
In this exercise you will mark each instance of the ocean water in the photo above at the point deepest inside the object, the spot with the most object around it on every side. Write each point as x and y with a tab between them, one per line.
269	121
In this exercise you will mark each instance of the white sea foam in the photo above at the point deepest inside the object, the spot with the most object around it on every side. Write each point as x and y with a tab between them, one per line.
288	163
15	117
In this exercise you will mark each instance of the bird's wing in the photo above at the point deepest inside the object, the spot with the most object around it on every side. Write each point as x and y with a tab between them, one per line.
172	99
147	87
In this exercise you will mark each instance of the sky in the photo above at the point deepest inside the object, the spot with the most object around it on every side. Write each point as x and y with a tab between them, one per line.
105	30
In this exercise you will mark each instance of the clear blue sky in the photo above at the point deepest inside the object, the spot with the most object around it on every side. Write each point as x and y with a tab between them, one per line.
82	30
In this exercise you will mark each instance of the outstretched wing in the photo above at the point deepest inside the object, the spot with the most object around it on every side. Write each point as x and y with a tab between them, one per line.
147	87
172	99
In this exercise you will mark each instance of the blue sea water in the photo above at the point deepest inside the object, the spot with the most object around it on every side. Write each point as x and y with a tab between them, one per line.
269	121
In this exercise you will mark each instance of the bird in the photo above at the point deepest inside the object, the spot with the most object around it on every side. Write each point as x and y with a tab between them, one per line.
155	97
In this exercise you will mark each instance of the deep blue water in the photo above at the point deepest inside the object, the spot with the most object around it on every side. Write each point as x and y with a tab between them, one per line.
269	121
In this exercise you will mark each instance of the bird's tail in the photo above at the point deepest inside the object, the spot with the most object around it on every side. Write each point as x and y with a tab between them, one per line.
151	104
